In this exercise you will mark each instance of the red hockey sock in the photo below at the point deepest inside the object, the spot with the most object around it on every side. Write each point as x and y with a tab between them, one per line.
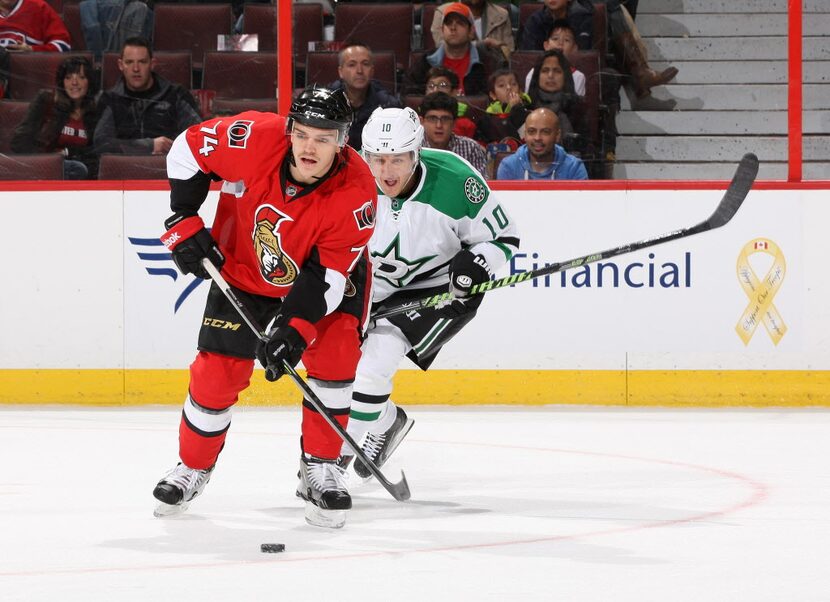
319	439
215	383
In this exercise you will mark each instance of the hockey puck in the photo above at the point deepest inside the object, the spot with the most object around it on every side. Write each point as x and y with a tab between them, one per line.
272	548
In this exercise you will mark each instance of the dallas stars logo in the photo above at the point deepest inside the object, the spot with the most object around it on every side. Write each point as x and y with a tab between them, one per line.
474	190
391	266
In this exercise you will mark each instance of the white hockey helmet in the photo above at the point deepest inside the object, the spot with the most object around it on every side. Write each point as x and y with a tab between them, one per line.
393	131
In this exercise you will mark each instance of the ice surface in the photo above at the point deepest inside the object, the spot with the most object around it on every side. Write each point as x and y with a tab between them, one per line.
570	504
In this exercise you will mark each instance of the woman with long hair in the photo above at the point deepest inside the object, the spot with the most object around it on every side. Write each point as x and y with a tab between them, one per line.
552	87
63	119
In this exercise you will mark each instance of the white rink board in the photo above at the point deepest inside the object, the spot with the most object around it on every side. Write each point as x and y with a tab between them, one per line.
79	294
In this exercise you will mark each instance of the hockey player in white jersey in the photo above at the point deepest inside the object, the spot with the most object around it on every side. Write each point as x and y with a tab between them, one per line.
438	226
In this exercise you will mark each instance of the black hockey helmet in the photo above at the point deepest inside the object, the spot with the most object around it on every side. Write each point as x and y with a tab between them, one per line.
322	108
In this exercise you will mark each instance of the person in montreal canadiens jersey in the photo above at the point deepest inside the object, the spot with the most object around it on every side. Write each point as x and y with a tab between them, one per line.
438	226
295	214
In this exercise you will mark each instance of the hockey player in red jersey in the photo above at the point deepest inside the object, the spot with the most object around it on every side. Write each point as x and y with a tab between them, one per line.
31	25
295	214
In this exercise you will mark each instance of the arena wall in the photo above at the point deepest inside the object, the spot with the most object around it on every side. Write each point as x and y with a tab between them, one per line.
94	313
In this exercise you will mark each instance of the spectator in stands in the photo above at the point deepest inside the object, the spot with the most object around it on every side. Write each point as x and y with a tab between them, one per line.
491	23
107	24
552	87
356	70
505	116
540	158
578	13
143	112
26	26
63	119
471	62
438	111
629	51
562	37
31	25
441	79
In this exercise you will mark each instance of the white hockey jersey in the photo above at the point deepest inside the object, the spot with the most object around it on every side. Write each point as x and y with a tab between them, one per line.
451	208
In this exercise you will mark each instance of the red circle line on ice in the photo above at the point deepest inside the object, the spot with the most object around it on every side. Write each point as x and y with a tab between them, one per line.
758	493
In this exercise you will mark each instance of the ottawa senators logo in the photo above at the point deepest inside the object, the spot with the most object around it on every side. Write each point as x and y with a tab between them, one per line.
365	216
238	133
274	264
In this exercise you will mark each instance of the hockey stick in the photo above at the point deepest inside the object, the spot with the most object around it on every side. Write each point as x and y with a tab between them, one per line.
725	211
400	490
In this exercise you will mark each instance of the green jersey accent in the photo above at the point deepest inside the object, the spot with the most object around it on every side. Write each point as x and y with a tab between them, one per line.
450	208
449	185
405	269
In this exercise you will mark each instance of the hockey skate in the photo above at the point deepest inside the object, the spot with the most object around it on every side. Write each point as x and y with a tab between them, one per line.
178	487
323	486
378	447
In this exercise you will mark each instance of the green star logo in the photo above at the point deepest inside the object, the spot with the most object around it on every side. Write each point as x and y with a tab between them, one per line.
396	269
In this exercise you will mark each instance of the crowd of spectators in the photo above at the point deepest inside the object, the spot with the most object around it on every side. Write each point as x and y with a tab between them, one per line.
474	99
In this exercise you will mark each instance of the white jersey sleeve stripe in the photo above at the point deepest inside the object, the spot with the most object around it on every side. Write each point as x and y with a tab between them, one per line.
181	164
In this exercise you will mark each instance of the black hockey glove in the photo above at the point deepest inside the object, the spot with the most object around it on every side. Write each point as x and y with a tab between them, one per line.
284	343
189	242
466	270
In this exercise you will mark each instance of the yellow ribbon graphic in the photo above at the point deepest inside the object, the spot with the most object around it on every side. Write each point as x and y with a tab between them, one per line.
761	292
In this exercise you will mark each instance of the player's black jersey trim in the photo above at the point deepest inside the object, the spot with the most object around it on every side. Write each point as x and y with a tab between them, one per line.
509	240
187	196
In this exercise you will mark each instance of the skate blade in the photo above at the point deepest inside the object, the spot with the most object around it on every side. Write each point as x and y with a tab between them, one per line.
163	510
329	519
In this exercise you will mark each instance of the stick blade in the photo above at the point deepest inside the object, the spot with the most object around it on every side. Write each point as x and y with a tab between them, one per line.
735	194
400	490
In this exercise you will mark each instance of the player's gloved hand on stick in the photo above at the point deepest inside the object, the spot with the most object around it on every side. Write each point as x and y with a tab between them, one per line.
466	270
284	343
189	242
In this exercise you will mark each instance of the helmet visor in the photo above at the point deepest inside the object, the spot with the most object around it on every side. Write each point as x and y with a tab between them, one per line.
318	127
392	172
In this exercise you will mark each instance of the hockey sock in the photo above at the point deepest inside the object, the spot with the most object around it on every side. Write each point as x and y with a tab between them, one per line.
319	439
215	383
386	418
366	410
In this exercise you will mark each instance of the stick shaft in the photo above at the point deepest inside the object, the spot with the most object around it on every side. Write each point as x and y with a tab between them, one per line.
726	209
400	491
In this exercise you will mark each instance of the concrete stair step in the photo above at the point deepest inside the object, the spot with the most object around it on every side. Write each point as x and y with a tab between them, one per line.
727	25
727	6
715	148
713	171
675	123
744	72
722	97
730	49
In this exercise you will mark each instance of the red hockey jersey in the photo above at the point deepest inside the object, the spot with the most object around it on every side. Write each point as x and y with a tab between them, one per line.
35	23
268	228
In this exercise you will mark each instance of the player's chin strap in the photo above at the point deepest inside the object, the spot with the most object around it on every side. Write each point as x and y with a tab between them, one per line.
730	203
400	490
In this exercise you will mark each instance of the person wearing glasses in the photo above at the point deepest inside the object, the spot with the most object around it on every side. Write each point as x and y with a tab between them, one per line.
441	79
438	114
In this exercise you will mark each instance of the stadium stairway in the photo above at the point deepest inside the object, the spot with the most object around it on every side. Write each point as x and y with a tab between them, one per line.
730	96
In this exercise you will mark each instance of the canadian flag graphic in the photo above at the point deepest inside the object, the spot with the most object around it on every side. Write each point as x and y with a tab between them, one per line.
761	244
